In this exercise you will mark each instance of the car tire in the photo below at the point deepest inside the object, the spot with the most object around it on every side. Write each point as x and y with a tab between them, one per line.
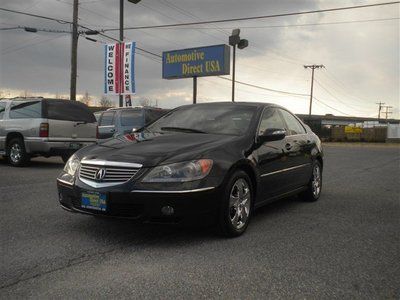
236	207
314	187
16	153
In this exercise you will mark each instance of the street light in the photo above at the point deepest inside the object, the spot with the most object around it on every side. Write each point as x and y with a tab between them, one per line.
234	40
121	36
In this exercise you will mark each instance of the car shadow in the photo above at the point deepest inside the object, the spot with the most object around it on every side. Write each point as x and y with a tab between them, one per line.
127	233
38	162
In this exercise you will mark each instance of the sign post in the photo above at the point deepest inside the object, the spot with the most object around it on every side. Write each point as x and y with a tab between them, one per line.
119	72
194	89
196	62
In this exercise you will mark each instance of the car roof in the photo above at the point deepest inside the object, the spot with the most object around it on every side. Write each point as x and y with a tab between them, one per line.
135	107
229	103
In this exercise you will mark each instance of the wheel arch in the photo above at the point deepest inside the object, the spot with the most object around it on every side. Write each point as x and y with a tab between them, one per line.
12	135
245	166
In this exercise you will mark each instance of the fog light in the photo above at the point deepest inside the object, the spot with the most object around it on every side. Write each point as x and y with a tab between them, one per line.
167	210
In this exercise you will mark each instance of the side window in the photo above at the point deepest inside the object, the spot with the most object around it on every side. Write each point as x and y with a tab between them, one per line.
107	118
2	110
26	110
65	110
270	120
294	126
132	117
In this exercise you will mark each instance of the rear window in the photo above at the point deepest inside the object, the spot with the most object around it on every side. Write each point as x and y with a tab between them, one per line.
67	110
154	114
132	118
26	110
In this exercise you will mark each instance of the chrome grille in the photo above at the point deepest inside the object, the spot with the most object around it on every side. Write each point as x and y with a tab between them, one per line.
114	172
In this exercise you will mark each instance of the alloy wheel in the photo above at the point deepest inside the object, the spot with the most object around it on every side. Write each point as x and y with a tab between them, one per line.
316	181
239	203
15	153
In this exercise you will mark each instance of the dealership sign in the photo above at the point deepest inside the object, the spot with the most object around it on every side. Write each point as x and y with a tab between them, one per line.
196	62
119	73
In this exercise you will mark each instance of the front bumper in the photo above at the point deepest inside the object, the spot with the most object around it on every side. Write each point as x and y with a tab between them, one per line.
189	206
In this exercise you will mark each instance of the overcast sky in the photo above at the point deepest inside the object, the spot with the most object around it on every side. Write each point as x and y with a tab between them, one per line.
361	58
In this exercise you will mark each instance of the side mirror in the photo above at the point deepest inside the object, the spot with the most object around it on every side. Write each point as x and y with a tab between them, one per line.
272	134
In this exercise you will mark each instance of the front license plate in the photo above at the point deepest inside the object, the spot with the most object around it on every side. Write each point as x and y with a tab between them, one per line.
75	146
94	200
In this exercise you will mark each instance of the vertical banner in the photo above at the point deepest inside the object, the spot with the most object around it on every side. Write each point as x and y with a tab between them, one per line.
109	72
119	68
128	64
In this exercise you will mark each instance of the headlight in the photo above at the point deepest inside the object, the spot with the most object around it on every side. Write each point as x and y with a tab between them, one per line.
180	172
72	165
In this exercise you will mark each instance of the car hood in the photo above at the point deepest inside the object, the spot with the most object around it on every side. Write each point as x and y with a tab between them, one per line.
151	149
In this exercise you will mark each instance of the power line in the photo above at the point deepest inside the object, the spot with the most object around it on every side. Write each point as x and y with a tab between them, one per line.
36	29
32	44
259	17
208	22
343	86
295	25
264	88
331	107
336	98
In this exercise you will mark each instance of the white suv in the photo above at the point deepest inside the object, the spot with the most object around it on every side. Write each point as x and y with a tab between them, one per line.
48	127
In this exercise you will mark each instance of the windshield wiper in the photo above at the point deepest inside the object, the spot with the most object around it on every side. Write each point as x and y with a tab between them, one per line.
182	129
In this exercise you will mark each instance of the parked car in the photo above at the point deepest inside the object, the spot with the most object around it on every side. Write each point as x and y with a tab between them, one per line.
48	127
123	120
213	162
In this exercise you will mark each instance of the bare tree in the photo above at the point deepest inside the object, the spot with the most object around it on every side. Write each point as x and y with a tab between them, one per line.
25	94
86	98
105	101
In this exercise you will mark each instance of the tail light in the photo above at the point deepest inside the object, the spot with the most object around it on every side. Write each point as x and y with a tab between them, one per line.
97	132
44	130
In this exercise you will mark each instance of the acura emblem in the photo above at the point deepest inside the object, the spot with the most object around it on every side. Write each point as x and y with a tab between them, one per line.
100	174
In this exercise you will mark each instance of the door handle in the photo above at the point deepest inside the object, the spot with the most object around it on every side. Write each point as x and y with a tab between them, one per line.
288	146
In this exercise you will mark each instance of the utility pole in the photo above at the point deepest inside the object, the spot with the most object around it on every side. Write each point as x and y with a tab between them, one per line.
74	50
379	111
312	67
121	40
194	89
233	72
387	112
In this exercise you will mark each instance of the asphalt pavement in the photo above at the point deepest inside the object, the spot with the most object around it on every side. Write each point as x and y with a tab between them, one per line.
346	245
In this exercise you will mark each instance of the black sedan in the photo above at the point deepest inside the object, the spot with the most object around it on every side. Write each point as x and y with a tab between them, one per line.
211	163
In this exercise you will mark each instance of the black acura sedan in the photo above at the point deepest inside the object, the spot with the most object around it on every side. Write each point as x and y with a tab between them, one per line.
211	163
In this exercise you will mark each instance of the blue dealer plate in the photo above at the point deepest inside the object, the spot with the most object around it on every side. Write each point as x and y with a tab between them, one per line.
94	200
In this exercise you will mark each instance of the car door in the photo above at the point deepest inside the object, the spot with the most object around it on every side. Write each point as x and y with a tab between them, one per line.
298	151
272	157
107	125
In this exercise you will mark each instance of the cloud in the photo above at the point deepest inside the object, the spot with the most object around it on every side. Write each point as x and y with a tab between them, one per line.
361	59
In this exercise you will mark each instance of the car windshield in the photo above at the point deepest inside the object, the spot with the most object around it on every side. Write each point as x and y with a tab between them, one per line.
215	119
133	118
